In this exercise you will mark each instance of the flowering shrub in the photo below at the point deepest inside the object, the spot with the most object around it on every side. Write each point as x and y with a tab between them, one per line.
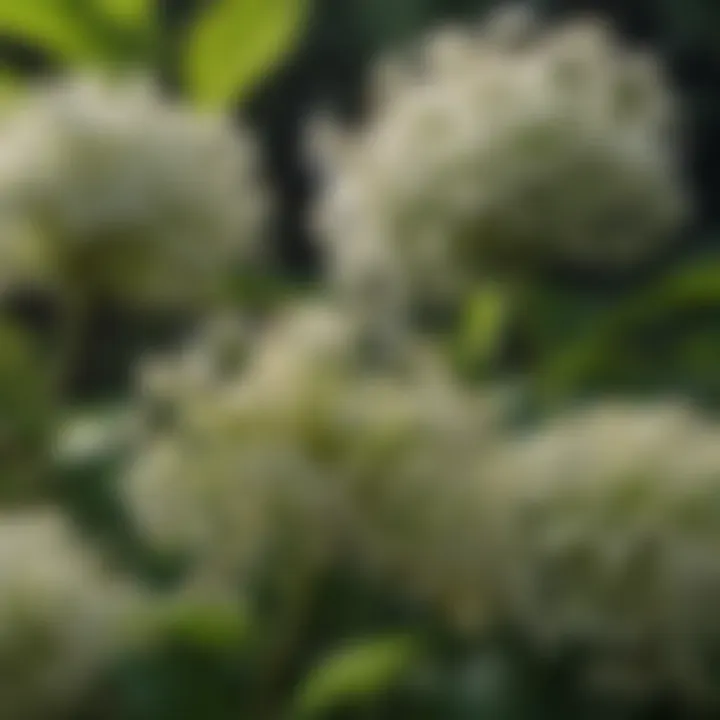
302	506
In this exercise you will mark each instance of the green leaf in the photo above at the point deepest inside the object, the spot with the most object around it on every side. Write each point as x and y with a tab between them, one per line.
136	13
355	673
54	26
203	624
482	328
695	286
129	28
11	87
86	33
26	413
235	42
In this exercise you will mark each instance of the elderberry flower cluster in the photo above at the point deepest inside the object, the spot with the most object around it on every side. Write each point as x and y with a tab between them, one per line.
595	532
314	445
606	523
63	616
498	146
109	189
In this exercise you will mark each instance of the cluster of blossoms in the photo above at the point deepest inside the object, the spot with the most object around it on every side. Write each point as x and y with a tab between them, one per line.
110	189
316	442
63	616
107	191
493	146
215	460
606	525
596	532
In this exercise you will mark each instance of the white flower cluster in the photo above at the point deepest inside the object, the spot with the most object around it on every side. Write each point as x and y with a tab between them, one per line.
303	441
496	145
111	189
606	524
63	617
597	531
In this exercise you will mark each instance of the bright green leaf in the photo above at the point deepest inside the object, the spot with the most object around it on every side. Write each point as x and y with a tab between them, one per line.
482	327
203	624
130	28
136	13
356	673
54	26
11	87
235	42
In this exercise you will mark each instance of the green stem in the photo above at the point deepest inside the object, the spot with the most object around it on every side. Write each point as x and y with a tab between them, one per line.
71	331
283	646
